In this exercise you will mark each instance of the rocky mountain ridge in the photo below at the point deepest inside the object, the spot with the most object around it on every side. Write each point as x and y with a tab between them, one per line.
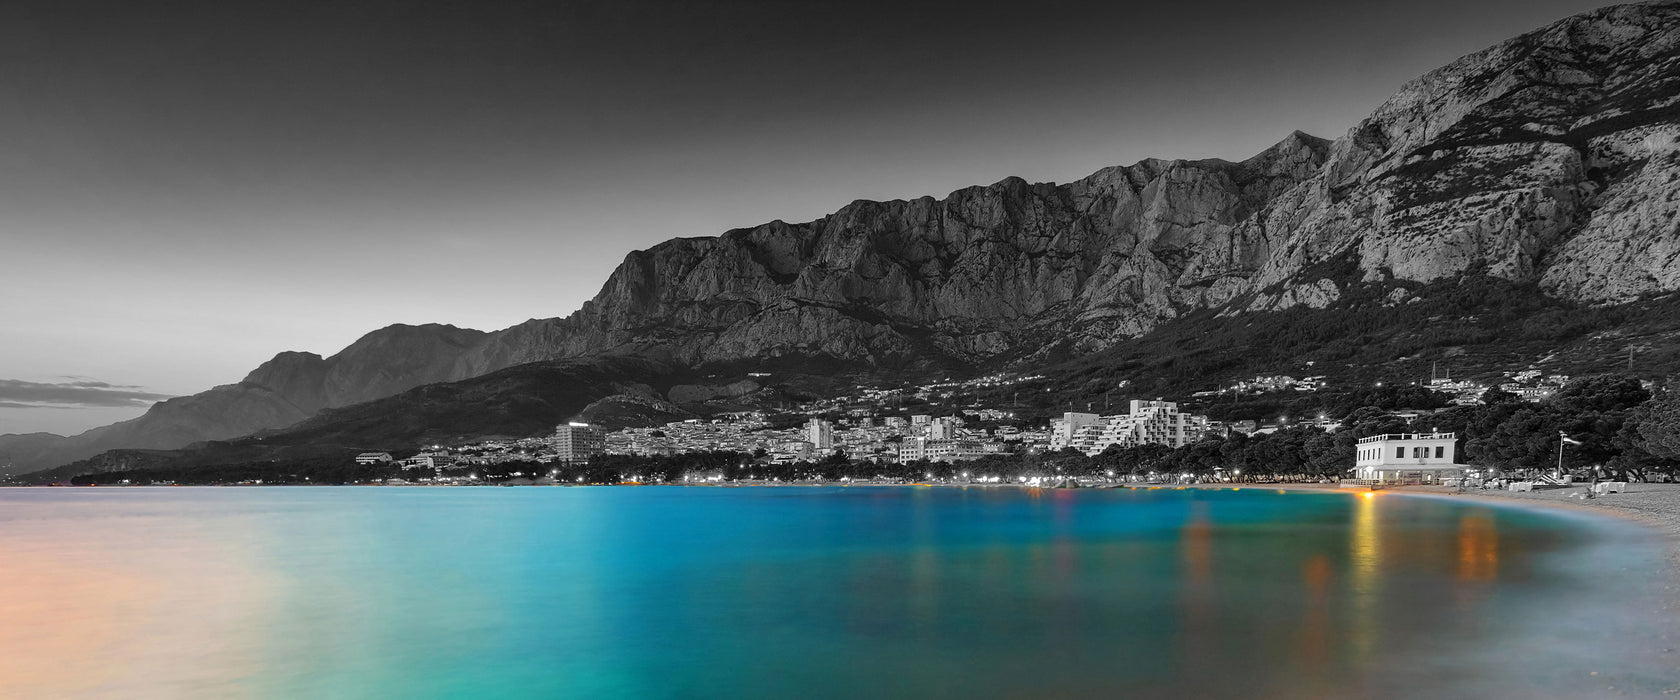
1550	158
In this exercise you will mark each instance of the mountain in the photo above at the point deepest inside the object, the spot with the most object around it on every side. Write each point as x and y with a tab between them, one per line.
519	401
283	391
1549	160
970	277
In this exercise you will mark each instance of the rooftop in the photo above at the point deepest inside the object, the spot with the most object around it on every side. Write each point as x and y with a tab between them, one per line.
1408	436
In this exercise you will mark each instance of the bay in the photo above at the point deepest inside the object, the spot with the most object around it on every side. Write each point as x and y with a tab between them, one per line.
668	592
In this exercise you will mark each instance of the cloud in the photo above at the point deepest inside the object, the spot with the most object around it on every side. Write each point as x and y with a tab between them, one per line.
14	404
83	392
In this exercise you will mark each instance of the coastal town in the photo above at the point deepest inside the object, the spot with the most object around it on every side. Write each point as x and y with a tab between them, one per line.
870	425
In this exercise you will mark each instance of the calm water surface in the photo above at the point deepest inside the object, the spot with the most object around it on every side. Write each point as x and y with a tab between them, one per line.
666	592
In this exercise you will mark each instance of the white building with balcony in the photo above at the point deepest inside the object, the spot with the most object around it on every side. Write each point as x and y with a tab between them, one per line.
1407	458
1147	423
1064	429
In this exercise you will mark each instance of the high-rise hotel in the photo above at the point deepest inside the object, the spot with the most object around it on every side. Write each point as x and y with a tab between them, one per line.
577	442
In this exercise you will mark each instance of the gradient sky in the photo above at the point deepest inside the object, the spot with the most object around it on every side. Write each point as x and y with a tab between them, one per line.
188	188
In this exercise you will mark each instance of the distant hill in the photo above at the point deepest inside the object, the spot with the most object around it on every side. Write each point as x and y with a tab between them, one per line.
1550	161
527	400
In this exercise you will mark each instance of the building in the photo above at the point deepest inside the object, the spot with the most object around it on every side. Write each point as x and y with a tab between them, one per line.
1145	423
942	429
373	458
820	434
1407	458
914	448
577	442
1062	430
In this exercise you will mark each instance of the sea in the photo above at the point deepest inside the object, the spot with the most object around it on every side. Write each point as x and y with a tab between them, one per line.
819	592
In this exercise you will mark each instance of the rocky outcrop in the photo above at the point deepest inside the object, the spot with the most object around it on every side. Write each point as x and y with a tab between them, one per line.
1547	158
971	276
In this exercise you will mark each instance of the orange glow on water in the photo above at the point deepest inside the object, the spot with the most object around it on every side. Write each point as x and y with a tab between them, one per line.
86	614
57	615
1196	598
1478	548
1366	560
1313	645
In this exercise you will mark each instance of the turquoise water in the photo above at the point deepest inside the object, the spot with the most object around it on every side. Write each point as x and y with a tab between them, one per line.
671	592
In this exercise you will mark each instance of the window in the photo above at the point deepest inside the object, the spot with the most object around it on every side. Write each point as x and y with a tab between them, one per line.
1440	452
1400	453
1417	453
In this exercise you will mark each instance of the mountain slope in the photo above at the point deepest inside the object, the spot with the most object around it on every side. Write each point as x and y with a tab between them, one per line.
283	391
1546	158
515	402
967	277
1549	159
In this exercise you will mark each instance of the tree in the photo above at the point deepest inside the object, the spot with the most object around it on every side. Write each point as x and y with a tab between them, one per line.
1495	395
1654	430
1599	393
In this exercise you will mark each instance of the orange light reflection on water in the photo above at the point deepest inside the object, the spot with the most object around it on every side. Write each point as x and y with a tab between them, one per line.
1313	647
1196	599
1478	548
119	610
1366	560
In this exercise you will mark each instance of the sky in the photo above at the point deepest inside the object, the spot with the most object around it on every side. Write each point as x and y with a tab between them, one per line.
188	188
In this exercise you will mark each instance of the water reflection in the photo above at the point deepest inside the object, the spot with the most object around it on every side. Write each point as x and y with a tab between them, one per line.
1366	578
1198	595
121	605
1478	548
1313	648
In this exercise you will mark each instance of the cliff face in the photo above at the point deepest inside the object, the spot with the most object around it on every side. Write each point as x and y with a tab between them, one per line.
1550	158
971	276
